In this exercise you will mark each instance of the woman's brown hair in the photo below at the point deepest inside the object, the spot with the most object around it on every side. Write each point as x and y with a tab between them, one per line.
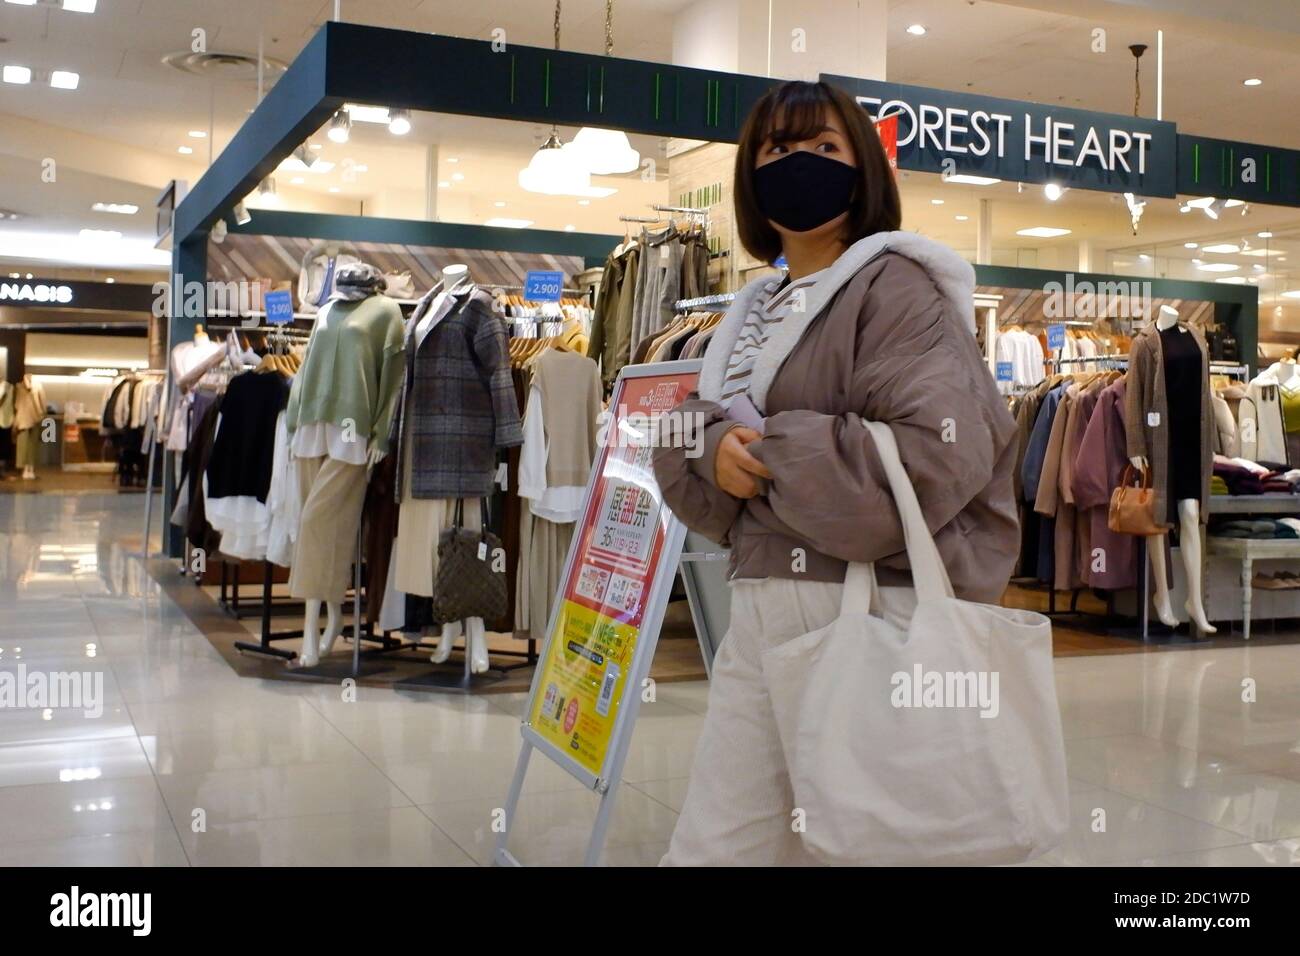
801	109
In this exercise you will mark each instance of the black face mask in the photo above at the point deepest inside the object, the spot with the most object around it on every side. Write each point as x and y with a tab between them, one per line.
804	190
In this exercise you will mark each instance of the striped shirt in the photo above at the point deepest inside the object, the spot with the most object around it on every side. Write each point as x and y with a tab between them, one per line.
764	316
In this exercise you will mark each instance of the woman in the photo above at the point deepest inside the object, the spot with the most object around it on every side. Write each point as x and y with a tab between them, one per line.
869	323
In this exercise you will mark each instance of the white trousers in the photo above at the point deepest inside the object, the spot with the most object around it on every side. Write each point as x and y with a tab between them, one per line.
739	808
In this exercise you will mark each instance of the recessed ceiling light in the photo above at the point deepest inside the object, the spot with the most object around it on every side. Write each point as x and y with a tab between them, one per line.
1293	294
1261	253
1224	248
110	280
964	179
570	228
107	234
80	6
1197	262
1218	267
936	202
584	202
184	150
499	205
961	218
399	123
297	181
22	3
1265	235
1053	191
917	30
1232	280
1259	267
121	208
198	134
453	159
1189	245
340	127
317	147
65	80
1043	232
509	223
443	184
335	189
457	177
361	168
17	74
1144	257
1253	81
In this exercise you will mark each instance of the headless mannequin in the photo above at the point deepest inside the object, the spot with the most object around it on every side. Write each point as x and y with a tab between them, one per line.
1189	539
316	643
456	277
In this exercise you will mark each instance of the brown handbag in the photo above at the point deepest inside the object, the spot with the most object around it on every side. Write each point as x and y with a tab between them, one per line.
1132	506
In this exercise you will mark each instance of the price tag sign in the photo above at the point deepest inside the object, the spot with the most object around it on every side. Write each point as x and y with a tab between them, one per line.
279	307
1004	372
541	285
780	262
1056	337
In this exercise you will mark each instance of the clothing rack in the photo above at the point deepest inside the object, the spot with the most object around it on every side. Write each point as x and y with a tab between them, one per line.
1121	361
573	293
720	298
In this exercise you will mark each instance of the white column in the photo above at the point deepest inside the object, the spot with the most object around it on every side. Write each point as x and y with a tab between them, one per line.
984	234
431	182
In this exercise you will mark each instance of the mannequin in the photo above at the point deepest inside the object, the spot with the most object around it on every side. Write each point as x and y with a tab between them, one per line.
453	328
339	412
1189	515
29	410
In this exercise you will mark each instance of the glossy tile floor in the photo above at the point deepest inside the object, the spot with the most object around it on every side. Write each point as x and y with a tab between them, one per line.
190	765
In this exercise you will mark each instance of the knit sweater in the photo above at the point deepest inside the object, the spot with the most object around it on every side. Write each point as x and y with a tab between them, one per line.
353	370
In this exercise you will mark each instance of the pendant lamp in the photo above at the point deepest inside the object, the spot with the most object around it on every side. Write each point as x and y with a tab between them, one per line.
555	169
606	151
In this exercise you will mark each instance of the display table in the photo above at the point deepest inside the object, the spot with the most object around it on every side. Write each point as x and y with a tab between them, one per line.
1248	551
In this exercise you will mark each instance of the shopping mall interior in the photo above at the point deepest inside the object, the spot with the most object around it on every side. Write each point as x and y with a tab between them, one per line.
189	190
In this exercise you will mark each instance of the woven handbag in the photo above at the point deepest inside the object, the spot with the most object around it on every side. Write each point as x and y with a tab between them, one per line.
1132	506
466	584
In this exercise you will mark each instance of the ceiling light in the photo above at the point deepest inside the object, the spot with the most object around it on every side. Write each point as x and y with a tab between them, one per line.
1265	235
509	223
917	30
1232	280
1043	232
1253	81
1224	248
1184	208
361	168
1189	245
1197	262
65	80
17	74
69	248
316	147
105	234
302	161
936	202
443	184
499	205
555	169
1293	294
1218	267
22	3
340	127
121	208
297	181
184	150
605	151
110	280
198	134
379	115
966	180
80	6
453	159
266	192
961	218
1259	267
335	189
570	228
1263	252
242	215
1053	191
584	202
457	177
1144	257
399	122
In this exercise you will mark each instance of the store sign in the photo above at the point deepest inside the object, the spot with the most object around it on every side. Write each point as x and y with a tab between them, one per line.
541	285
946	133
620	567
279	307
28	292
1250	172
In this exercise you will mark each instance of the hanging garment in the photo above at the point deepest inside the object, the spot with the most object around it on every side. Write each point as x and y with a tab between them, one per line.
6	404
658	284
320	264
560	427
29	404
1260	422
1098	467
187	359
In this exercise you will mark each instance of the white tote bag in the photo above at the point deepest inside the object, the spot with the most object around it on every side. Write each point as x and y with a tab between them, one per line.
938	744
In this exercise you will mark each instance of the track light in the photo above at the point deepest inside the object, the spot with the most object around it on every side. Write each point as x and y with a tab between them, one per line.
242	215
340	127
219	231
399	122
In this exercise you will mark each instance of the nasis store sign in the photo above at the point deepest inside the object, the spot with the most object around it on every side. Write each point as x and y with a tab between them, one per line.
943	132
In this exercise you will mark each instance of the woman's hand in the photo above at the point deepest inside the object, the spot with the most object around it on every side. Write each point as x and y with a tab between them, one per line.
734	468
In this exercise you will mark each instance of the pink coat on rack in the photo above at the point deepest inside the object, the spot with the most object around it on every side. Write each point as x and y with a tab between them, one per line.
1098	467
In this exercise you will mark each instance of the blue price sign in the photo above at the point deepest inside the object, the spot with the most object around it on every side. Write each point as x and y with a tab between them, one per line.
279	307
543	286
780	262
1004	372
1056	337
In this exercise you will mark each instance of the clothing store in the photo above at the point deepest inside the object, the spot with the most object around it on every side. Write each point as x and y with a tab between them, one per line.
398	401
67	346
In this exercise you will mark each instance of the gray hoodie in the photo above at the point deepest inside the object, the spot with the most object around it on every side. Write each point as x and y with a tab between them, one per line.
887	335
